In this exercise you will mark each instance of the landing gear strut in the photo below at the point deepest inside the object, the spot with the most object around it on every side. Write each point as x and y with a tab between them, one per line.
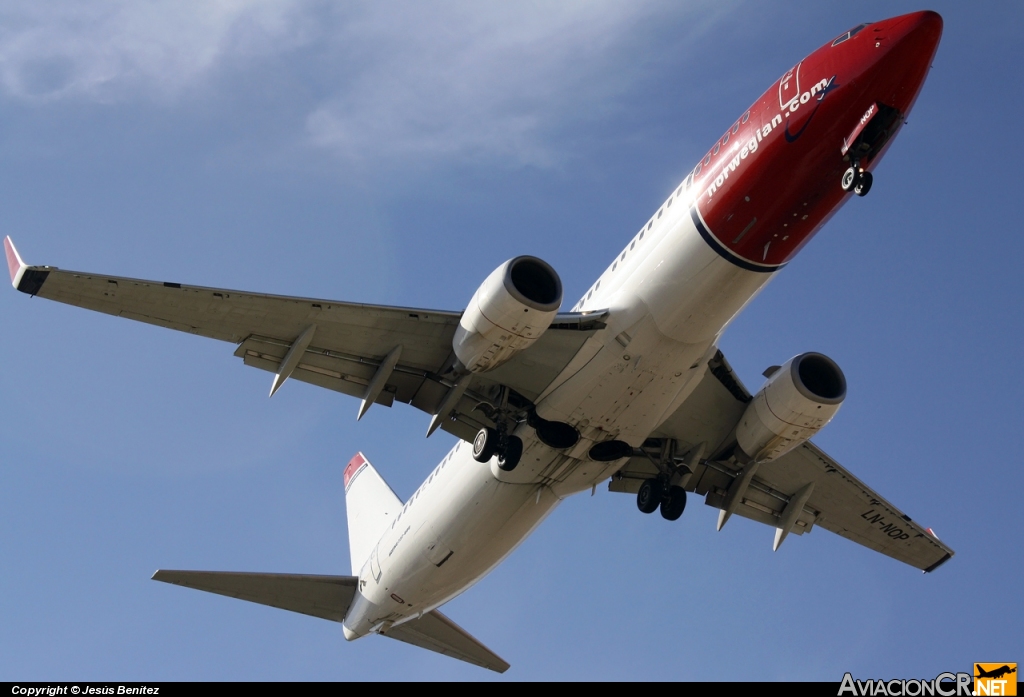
857	180
498	441
667	491
495	441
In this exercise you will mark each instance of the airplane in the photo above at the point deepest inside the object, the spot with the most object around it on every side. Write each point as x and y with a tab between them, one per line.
629	387
996	672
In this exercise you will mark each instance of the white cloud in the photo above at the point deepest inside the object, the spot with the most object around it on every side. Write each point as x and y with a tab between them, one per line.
401	80
115	49
476	79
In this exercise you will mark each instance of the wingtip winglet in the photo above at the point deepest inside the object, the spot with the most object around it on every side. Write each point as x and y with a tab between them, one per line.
14	263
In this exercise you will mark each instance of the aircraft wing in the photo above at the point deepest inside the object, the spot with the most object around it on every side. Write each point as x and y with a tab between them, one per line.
341	346
823	492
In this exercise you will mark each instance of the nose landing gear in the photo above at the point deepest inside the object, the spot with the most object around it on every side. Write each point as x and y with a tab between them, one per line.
857	180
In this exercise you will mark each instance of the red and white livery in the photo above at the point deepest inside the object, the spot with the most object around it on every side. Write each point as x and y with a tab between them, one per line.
628	388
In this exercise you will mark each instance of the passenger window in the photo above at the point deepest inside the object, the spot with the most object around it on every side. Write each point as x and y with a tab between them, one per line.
714	150
614	265
659	214
736	127
707	160
696	172
746	117
725	138
669	202
632	245
641	235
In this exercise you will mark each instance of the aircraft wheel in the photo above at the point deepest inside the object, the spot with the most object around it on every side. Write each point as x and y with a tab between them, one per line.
849	179
864	185
485	444
649	497
674	504
513	453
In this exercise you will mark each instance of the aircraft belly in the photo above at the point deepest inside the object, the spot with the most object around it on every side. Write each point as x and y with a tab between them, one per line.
452	535
663	322
484	542
690	290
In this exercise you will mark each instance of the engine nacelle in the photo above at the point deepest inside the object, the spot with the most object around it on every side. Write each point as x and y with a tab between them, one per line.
796	402
509	311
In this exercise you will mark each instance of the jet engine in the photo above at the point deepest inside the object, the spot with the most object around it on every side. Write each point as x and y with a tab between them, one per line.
797	401
508	312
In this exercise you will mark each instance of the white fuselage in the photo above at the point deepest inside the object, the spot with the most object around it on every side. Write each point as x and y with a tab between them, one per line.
669	297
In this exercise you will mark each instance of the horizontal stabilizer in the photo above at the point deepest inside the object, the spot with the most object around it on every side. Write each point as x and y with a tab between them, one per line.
435	632
327	597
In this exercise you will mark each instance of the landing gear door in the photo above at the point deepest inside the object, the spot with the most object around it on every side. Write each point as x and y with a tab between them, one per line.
375	565
789	86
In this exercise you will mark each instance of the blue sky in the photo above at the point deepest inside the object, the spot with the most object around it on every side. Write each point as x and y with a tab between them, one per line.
396	153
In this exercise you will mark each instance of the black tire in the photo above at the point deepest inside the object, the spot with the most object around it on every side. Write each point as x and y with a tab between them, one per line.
485	444
508	460
850	179
864	184
674	504
649	497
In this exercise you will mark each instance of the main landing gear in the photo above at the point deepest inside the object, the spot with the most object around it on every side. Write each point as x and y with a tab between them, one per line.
857	180
654	494
667	490
496	441
510	410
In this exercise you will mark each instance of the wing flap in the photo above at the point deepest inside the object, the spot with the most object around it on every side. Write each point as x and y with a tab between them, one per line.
851	509
350	342
435	632
839	502
327	597
319	367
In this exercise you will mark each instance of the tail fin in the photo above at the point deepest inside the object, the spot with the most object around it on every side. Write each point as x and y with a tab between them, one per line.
371	505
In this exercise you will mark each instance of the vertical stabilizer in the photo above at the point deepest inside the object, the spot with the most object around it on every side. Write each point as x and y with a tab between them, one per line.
371	505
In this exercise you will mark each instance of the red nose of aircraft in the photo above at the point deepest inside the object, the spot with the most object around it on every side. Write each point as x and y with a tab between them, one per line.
895	55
